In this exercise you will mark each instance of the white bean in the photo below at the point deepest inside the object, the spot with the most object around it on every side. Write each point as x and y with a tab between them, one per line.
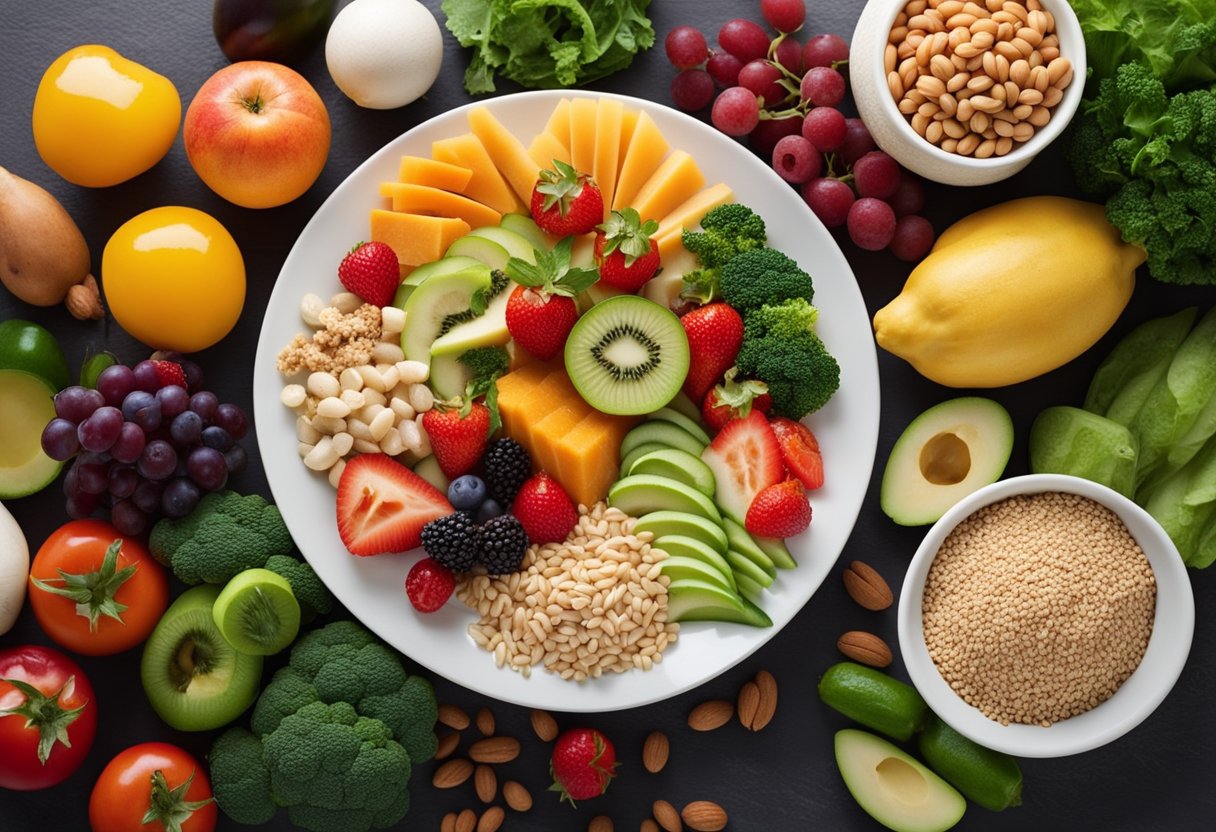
303	449
371	377
374	397
323	385
346	302
387	353
350	379
333	408
392	319
343	442
310	310
322	456
379	426
335	473
412	372
424	447
403	409
305	432
327	425
293	395
391	444
354	399
391	377
411	435
421	398
358	429
400	391
366	446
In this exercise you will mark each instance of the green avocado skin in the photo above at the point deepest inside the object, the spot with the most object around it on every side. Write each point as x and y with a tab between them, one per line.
26	346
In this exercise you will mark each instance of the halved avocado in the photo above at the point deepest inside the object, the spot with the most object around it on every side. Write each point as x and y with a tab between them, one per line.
640	493
670	414
945	453
683	546
663	523
437	306
663	433
677	465
690	599
27	403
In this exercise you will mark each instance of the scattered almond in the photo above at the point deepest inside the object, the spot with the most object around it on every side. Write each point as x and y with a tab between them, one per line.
667	816
648	825
492	819
704	816
453	717
466	821
867	587
494	750
517	796
485	783
448	824
866	648
768	700
711	715
748	704
452	773
655	751
600	823
447	745
485	722
544	725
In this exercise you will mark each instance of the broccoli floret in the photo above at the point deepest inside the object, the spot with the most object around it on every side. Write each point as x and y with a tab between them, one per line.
781	349
314	598
226	533
239	780
485	363
727	231
764	276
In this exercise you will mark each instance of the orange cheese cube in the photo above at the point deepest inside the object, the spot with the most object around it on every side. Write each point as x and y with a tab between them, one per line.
589	456
677	179
486	184
418	170
647	147
514	389
545	148
535	404
607	146
416	238
582	134
507	152
548	432
422	199
688	213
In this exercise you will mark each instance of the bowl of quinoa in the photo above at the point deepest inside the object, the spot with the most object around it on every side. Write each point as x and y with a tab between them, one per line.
1045	615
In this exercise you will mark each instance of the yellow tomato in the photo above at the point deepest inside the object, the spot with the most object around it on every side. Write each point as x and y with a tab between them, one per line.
100	119
174	278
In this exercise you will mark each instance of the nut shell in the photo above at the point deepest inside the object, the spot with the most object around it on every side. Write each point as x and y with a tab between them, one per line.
867	587
865	648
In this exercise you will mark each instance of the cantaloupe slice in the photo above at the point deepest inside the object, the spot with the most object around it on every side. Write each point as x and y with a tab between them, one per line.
677	179
508	153
558	124
416	238
647	147
486	184
688	213
607	148
422	199
582	134
419	170
629	121
545	148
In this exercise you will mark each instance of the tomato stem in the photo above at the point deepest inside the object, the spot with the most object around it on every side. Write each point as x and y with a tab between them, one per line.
93	592
168	806
46	714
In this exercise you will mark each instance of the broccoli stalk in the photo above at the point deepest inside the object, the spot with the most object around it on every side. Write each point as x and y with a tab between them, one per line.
781	349
726	231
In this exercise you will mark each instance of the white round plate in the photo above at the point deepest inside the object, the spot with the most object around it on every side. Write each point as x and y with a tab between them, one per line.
372	588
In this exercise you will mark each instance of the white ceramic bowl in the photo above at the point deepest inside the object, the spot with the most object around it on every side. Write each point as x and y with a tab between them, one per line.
1173	627
894	134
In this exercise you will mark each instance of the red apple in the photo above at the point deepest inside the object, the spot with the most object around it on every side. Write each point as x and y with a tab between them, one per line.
257	133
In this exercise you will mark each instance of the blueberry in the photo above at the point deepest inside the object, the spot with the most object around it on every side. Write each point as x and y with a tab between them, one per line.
466	493
490	508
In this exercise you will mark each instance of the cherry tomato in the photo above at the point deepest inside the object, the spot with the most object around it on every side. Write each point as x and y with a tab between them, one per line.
48	716
151	787
93	596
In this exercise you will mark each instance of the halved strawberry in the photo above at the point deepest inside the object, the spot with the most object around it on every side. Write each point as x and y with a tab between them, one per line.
382	506
800	450
745	459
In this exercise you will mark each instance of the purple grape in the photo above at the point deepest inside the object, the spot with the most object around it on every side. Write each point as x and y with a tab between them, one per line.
232	419
99	432
59	439
146	377
158	460
206	466
147	496
913	238
236	459
186	429
130	444
829	199
77	403
181	469
692	90
81	505
115	382
127	518
143	409
121	480
90	477
857	141
216	437
179	497
173	400
194	376
204	404
70	485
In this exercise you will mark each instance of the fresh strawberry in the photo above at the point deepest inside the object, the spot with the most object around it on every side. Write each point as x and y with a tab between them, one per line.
170	372
583	764
800	450
779	510
565	201
429	585
624	250
541	311
545	510
734	399
715	332
745	459
382	505
458	436
370	270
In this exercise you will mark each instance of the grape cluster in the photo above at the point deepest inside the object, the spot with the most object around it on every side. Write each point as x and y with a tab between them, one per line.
785	98
143	446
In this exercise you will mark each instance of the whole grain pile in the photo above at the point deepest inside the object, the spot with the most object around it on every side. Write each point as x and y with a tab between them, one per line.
592	604
1038	608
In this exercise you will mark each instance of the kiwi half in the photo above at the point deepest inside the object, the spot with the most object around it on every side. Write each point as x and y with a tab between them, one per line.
257	613
194	679
627	355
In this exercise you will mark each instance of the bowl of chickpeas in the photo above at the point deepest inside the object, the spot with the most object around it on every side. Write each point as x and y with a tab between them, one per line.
967	93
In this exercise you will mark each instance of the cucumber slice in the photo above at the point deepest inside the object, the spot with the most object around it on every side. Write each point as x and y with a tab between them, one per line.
990	778
749	589
689	599
634	454
743	566
428	468
514	244
677	567
777	551
482	250
670	414
662	433
682	404
523	225
677	465
740	541
641	493
665	523
682	546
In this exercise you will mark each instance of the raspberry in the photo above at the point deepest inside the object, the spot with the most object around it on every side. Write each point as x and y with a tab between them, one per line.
170	372
507	466
503	544
429	585
452	541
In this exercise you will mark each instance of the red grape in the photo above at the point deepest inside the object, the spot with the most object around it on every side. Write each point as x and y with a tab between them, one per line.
796	160
204	404
216	437
232	419
91	477
173	400
789	55
909	197
770	131
77	403
121	480
59	439
876	174
825	128
871	223
236	459
824	50
147	495
724	68
736	111
99	432
686	47
912	239
127	518
206	466
857	141
80	505
823	87
179	497
829	199
745	39
115	382
146	377
692	90
186	428
761	77
130	444
783	15
158	460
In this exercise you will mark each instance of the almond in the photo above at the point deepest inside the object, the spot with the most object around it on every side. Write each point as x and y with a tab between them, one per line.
648	825
485	783
704	816
448	824
600	823
748	704
494	750
466	821
710	715
452	773
485	722
492	819
453	717
544	725
866	587
667	816
866	648
768	700
517	797
447	745
655	751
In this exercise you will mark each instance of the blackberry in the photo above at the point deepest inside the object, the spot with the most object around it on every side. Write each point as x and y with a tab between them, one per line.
452	540
507	466
503	543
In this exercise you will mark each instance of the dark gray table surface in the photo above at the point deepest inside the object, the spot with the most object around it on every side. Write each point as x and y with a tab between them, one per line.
1161	776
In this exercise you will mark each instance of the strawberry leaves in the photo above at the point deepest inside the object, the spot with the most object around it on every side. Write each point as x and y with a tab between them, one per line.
624	231
559	186
552	273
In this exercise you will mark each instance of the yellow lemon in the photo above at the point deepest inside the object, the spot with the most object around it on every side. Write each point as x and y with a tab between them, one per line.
174	278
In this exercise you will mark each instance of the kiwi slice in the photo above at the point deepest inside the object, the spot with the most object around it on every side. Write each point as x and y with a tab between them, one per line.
257	613
627	355
194	679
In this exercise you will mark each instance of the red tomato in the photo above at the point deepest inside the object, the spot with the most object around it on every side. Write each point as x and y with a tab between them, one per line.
48	716
123	596
151	787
